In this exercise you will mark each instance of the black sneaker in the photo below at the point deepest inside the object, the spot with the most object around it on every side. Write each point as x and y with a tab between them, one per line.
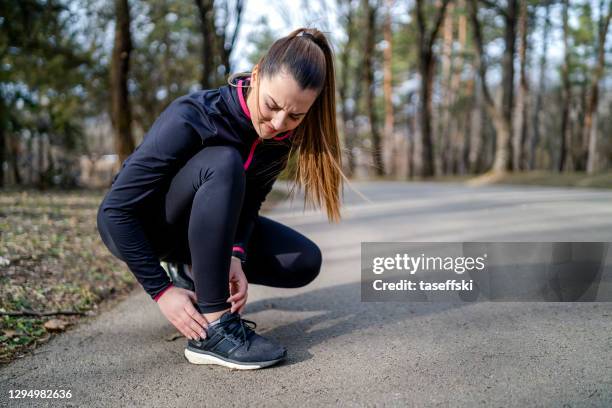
233	343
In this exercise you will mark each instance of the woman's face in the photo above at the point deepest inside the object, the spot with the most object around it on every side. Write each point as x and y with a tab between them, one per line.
283	105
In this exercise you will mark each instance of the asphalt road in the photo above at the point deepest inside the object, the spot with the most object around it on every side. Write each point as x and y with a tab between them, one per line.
346	352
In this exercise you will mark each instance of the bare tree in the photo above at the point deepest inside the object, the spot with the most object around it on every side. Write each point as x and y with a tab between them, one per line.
356	97
444	160
368	74
226	38
120	65
347	119
207	28
537	131
566	92
218	44
2	143
460	143
501	116
389	142
522	100
590	118
426	40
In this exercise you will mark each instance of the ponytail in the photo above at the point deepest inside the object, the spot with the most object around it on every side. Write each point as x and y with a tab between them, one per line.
307	56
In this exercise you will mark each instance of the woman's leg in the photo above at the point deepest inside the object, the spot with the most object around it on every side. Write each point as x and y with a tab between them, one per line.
281	257
204	202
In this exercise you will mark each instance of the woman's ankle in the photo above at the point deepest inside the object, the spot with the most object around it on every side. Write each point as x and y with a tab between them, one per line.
211	317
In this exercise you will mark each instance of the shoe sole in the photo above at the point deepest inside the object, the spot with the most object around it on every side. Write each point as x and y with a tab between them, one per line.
202	358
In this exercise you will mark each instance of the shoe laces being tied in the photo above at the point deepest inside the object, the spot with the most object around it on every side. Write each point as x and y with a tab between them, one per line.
237	327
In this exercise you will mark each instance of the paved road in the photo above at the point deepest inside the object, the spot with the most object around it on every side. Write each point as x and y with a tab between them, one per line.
343	351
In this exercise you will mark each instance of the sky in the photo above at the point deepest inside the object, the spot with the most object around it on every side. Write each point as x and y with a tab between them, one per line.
284	17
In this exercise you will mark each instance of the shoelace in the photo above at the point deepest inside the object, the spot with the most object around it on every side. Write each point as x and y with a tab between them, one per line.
242	327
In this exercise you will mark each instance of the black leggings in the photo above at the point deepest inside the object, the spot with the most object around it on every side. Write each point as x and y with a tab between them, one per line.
203	204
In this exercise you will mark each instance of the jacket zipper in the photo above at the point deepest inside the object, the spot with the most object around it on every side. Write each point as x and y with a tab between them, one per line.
247	163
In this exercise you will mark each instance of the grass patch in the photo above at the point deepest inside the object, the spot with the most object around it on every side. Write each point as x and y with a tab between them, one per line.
532	178
52	258
548	178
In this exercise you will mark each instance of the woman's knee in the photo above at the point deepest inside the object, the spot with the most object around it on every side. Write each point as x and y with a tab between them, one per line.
309	265
221	163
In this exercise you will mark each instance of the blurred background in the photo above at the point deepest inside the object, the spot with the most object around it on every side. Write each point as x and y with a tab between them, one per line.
444	88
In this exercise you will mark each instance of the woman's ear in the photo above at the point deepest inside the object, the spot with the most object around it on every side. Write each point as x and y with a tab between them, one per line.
254	74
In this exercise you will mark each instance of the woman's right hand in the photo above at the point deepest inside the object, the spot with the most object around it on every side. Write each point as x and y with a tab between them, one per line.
177	305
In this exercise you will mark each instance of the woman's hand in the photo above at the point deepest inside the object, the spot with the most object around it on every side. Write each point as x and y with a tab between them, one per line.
177	305
238	286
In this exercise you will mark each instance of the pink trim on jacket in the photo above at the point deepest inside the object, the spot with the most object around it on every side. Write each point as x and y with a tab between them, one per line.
247	163
156	298
245	108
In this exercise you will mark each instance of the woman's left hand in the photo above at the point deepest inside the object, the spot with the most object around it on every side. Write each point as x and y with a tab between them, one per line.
238	287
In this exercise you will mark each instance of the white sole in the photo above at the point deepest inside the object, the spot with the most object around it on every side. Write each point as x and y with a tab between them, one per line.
199	358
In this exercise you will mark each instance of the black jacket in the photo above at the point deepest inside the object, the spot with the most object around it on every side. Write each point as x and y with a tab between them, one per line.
134	206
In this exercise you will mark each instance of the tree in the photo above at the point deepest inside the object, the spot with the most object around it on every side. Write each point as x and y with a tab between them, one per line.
426	39
120	67
42	67
537	111
522	101
590	134
218	43
566	92
165	63
347	13
501	116
368	76
389	144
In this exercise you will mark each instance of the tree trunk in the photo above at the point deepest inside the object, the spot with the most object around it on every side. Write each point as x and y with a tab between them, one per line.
15	154
444	116
460	140
590	117
369	86
537	131
389	142
501	117
426	40
120	64
30	161
227	45
347	123
206	14
50	170
566	91
357	93
522	101
41	161
2	144
510	18
426	71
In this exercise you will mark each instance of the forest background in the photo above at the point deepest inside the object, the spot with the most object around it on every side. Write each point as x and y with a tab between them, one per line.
425	88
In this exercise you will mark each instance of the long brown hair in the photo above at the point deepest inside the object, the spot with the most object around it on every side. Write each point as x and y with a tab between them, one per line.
307	55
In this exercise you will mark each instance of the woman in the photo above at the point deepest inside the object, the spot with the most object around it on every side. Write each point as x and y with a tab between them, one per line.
191	193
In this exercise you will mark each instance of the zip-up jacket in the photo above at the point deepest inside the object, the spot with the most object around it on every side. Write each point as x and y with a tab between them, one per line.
134	204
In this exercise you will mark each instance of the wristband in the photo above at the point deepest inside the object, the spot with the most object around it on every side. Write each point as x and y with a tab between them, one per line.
239	253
